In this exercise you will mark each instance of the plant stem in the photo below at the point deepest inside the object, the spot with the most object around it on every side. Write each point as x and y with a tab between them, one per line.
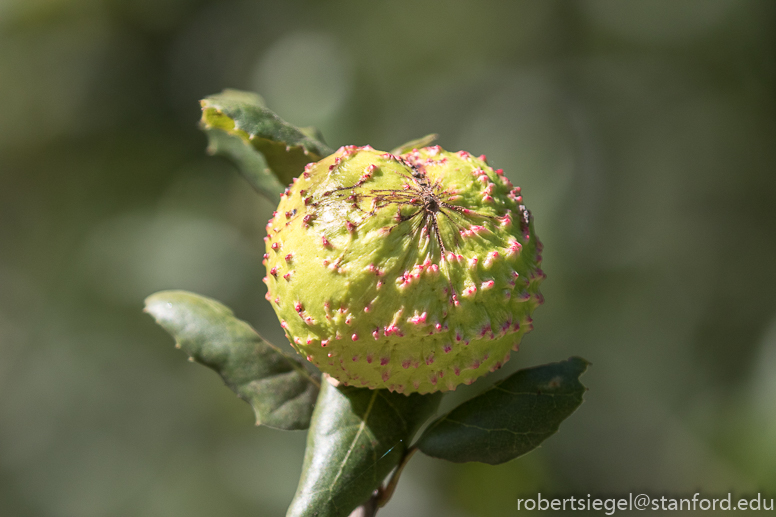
368	509
382	495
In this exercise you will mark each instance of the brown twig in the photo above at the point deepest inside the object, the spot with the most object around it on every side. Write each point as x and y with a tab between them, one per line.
382	495
368	509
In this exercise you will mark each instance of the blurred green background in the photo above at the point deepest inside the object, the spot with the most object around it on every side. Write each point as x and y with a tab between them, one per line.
643	135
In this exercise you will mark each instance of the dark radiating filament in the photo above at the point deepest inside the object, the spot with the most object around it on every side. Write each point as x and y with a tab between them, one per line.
417	192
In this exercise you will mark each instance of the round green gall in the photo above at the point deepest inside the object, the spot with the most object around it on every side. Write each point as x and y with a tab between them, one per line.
414	273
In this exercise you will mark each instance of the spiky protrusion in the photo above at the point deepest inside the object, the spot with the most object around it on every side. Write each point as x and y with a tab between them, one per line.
414	273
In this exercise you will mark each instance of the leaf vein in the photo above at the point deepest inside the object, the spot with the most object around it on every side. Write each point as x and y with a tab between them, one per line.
355	439
520	433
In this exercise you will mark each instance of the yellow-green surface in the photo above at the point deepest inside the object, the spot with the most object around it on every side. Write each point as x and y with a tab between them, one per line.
414	273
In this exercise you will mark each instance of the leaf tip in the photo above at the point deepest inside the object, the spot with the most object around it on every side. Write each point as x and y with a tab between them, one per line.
580	363
156	303
415	144
151	306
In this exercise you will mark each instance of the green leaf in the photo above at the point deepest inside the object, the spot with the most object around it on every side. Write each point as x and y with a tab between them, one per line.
511	418
313	132
248	160
415	144
277	386
356	438
224	140
239	126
